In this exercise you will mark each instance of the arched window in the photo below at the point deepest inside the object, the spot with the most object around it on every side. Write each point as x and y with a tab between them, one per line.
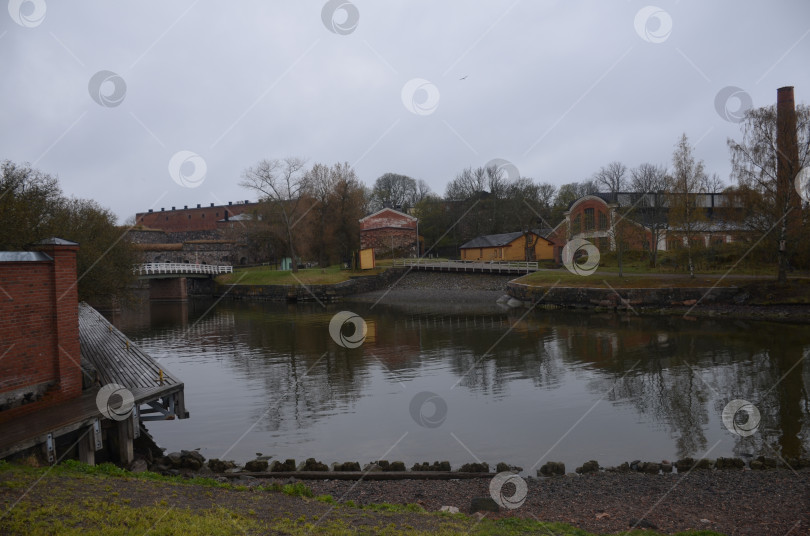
589	223
602	221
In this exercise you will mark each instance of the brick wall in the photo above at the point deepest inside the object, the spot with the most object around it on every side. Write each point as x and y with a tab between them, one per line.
191	218
39	333
389	228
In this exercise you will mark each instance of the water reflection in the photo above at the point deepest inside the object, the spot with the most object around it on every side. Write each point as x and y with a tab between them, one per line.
567	386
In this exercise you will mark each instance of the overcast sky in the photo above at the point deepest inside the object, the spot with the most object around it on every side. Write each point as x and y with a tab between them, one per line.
151	104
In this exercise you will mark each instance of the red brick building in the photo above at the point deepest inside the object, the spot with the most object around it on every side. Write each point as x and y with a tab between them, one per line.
598	219
39	334
192	219
390	233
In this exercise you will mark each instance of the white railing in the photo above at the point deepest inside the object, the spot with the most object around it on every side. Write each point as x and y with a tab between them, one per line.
155	268
469	266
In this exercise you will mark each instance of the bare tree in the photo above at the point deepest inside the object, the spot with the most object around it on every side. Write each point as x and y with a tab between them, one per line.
650	181
346	203
612	177
394	190
282	184
686	217
754	165
467	184
422	191
713	184
320	183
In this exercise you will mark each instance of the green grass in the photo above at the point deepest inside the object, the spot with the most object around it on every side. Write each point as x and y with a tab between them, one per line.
299	489
101	510
265	275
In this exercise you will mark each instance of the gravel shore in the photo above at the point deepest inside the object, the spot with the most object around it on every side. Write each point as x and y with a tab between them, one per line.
761	503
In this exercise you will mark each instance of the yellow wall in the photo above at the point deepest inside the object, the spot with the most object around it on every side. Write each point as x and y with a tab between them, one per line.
367	260
512	252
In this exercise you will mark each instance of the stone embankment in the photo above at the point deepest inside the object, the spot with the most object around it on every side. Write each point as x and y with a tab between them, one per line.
302	293
191	462
624	298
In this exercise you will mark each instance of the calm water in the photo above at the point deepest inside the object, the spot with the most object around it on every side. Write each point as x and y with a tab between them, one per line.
268	378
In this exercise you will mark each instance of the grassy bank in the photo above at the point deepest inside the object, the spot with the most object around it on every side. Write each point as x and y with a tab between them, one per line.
265	275
78	499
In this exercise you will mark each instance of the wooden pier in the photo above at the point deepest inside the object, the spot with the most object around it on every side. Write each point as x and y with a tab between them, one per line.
112	359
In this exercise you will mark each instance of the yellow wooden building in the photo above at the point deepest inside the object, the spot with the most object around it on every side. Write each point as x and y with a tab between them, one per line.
517	246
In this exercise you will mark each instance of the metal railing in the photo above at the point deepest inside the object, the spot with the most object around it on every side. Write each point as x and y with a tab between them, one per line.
154	268
469	266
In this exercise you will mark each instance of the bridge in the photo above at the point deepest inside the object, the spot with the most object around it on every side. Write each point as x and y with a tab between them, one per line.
163	270
489	267
171	281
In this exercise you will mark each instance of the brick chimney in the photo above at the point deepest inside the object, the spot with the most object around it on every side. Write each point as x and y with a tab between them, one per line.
66	307
787	167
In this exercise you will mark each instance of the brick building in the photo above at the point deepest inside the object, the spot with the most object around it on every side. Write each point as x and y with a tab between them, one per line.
592	218
192	219
390	233
201	235
40	354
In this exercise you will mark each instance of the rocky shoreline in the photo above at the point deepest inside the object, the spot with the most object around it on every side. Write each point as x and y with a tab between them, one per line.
763	497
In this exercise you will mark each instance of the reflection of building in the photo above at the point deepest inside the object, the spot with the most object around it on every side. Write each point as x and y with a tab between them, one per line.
389	232
517	246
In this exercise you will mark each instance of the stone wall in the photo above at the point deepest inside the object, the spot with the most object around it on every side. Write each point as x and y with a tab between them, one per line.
624	298
148	236
324	293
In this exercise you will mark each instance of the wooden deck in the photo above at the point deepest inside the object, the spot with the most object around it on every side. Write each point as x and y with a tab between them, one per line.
116	358
156	392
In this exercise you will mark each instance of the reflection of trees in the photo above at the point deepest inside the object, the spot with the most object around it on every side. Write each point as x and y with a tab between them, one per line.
682	367
676	373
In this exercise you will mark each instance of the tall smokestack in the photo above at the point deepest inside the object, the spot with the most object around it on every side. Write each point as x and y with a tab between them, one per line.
787	167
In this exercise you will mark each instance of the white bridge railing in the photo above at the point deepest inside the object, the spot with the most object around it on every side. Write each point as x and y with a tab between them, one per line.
154	268
470	266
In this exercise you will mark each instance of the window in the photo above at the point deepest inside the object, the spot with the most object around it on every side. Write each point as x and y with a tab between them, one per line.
604	244
589	219
576	228
602	221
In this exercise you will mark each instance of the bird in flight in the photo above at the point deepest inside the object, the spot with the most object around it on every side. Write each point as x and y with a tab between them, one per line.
463	77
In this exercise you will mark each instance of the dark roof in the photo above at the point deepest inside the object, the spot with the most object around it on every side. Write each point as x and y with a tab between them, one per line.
54	241
543	232
23	256
492	241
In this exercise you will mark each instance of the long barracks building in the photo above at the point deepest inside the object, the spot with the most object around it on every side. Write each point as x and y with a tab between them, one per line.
192	219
